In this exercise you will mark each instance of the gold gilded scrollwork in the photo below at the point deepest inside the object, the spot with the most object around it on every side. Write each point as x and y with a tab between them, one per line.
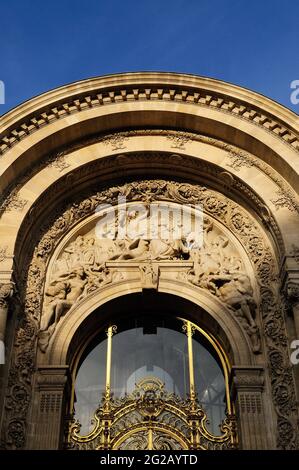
151	418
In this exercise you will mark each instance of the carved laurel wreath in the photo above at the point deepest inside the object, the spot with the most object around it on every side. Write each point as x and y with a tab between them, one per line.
215	204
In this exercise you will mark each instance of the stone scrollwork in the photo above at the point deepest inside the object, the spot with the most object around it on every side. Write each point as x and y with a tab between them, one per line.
13	202
179	139
117	141
58	161
79	270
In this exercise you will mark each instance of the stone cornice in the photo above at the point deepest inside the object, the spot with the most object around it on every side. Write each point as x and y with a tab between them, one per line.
62	102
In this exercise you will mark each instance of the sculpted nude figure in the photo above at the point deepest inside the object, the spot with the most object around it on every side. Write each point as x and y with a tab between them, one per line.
64	291
238	294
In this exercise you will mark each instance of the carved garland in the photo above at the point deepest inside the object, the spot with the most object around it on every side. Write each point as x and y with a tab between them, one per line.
23	361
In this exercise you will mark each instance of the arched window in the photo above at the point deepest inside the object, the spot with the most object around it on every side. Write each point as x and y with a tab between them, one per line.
184	358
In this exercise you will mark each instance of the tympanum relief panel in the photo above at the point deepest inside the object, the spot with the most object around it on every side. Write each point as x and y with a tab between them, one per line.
136	242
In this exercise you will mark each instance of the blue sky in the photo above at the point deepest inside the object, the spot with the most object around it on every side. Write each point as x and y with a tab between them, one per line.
45	44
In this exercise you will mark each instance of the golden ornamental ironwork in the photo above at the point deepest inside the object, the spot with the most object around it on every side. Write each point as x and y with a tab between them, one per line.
150	418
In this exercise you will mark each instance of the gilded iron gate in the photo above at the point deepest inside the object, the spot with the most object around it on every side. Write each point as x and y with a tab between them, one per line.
151	418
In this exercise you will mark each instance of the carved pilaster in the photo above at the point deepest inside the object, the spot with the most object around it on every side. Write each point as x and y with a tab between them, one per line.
289	275
51	392
292	294
247	386
6	293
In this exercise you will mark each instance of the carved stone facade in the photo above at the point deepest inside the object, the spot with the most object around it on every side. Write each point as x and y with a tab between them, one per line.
243	272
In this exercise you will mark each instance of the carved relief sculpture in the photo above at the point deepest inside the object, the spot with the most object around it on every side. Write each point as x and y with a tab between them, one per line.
81	267
217	266
163	144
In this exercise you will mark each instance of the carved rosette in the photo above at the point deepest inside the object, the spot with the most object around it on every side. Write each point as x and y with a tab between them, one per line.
214	204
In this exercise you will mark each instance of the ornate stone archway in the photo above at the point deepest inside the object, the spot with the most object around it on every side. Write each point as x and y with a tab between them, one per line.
230	150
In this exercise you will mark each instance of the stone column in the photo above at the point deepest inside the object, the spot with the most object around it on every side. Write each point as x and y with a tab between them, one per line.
49	407
247	384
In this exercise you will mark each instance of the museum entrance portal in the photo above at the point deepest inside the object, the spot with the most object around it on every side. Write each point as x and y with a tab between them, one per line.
151	382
